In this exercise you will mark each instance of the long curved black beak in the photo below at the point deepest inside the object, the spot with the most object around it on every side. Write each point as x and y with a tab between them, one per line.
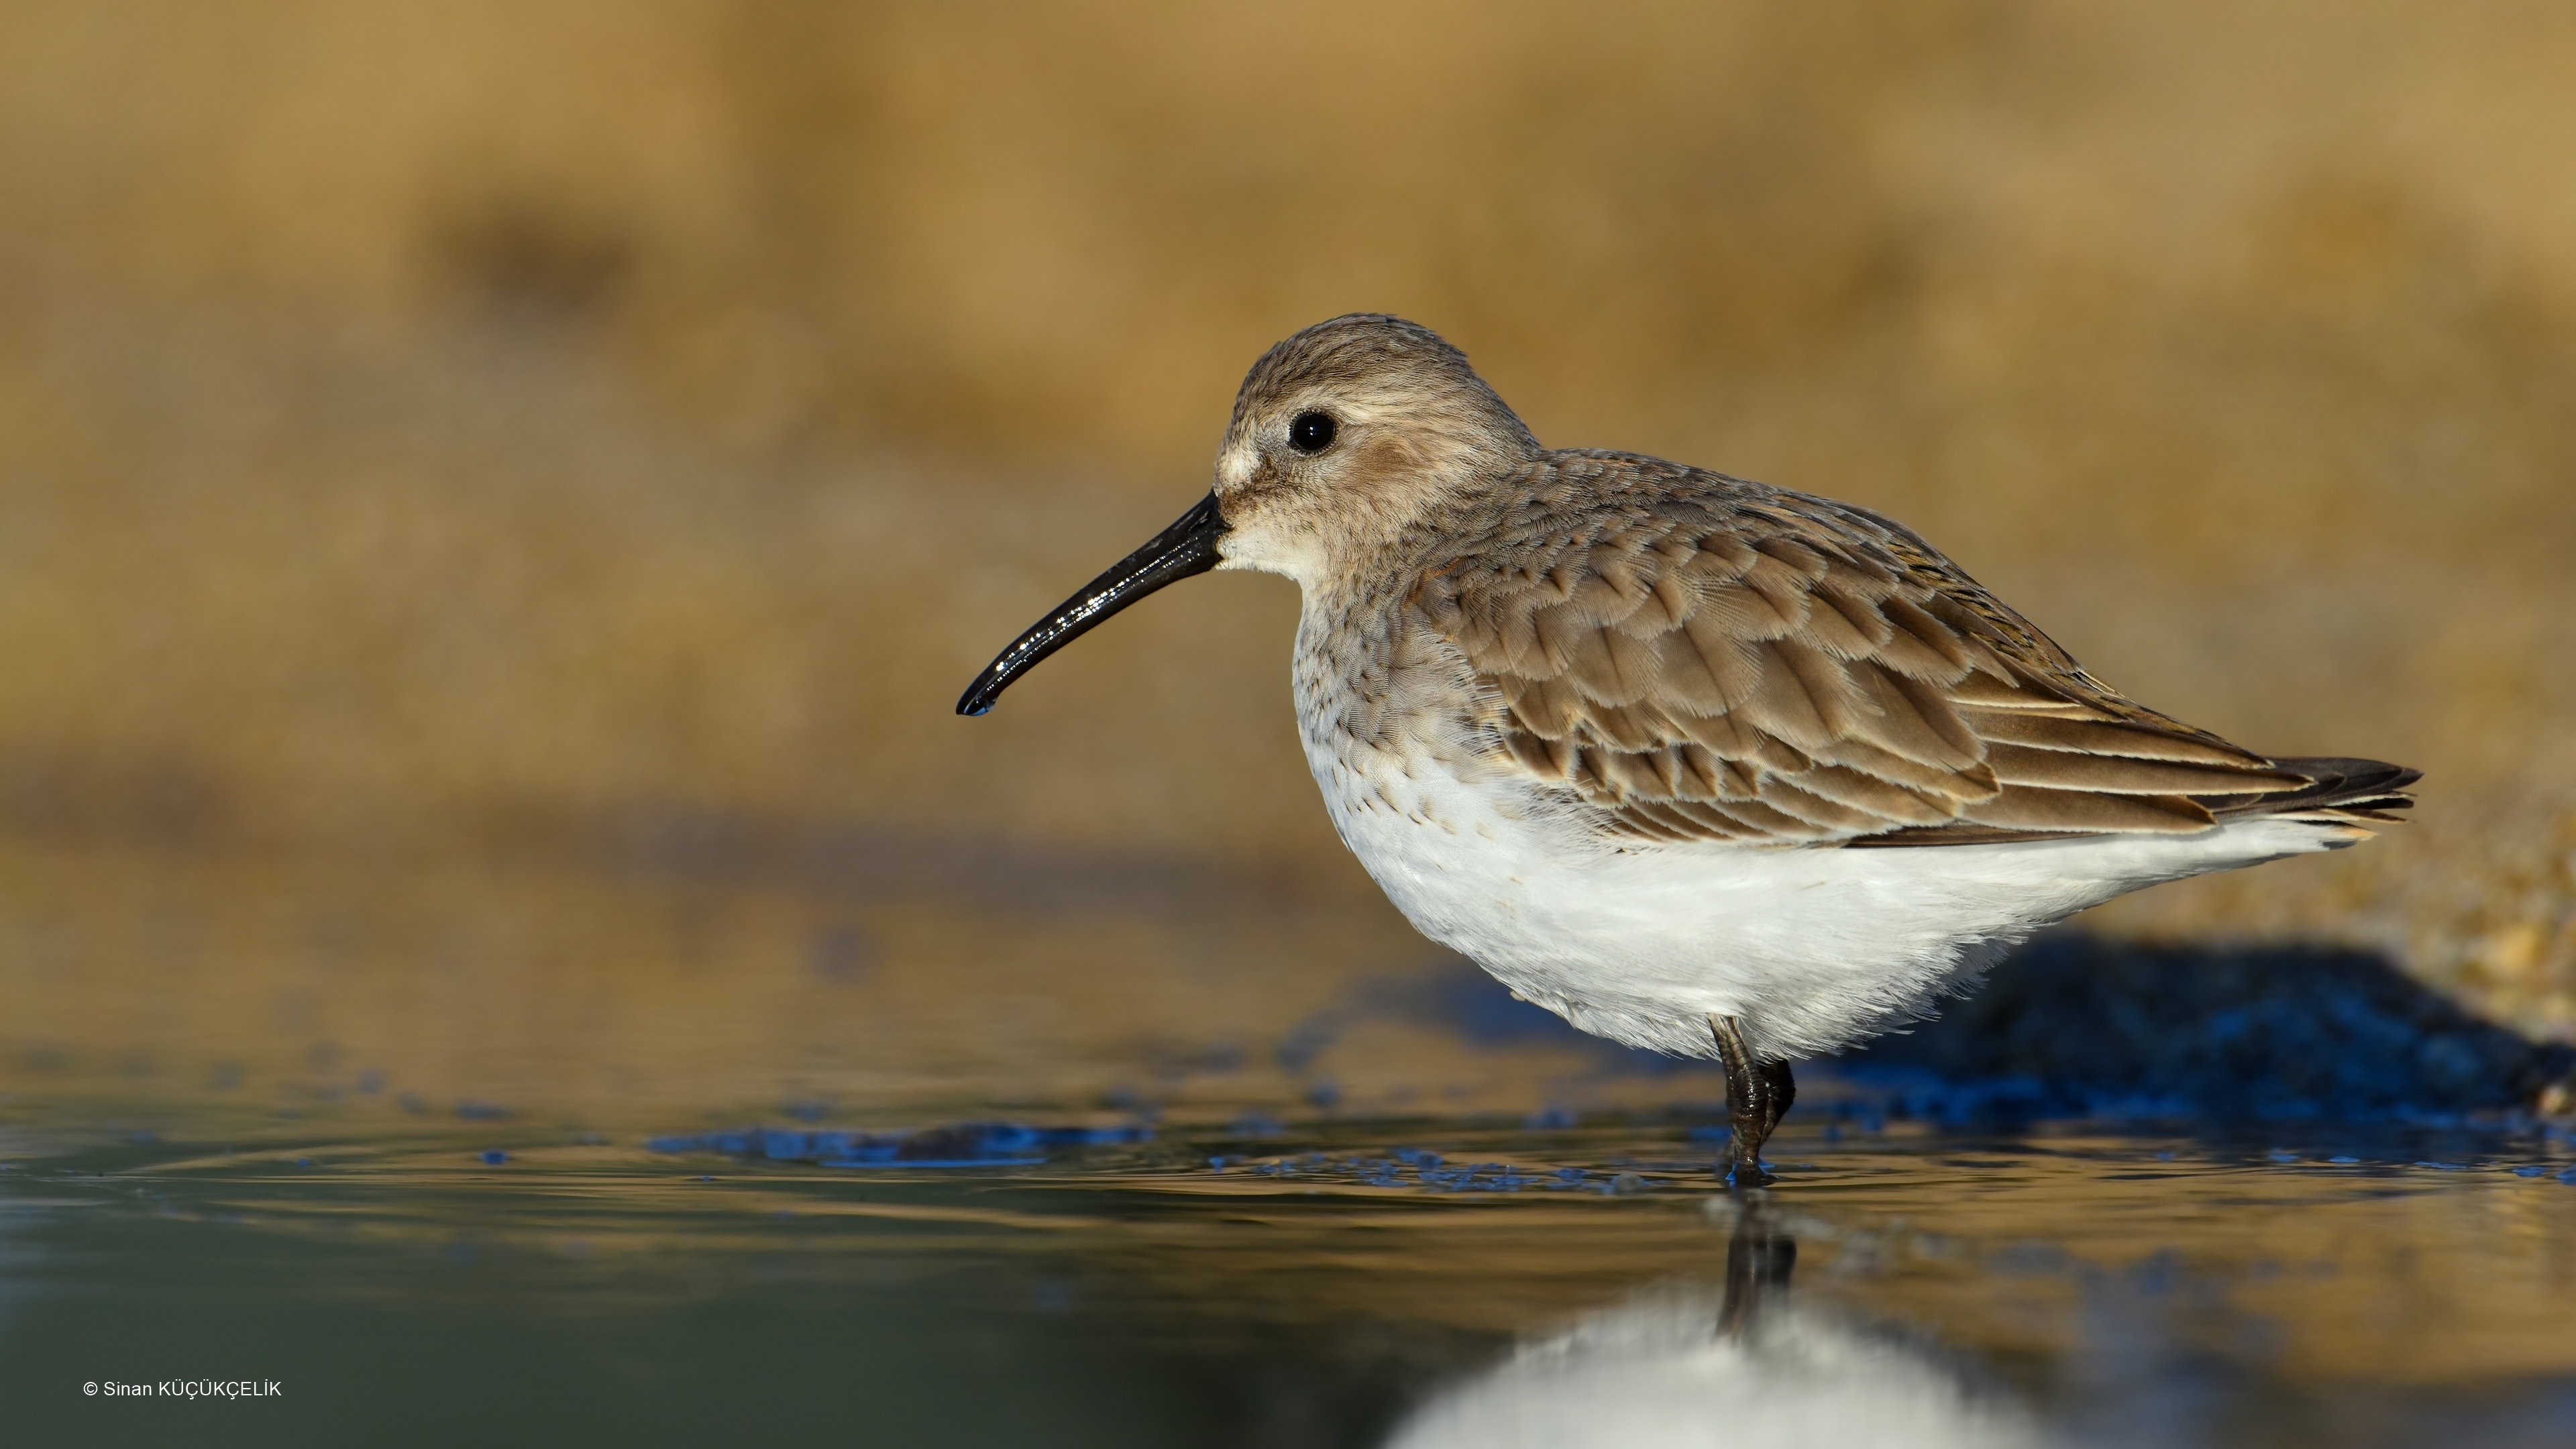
1187	547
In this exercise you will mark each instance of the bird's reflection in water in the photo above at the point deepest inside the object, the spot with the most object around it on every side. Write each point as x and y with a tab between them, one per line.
1679	1365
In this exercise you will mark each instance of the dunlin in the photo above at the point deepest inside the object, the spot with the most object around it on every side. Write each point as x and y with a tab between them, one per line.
1699	764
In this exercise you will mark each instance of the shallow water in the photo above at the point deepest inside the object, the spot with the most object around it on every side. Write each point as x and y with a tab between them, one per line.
460	1155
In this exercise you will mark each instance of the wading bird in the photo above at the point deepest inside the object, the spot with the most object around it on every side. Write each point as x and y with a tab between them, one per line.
1699	764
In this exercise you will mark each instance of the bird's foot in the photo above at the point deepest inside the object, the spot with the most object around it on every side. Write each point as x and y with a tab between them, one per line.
1744	1172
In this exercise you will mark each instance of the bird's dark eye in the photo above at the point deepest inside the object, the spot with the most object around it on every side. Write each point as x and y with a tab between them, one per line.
1312	432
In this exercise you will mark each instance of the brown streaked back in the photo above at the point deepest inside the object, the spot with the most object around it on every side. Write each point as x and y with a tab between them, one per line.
1696	657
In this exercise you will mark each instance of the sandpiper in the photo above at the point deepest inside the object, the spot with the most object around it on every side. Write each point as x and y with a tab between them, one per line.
1699	764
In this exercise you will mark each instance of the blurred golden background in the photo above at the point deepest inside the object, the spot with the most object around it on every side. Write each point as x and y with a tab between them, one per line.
507	433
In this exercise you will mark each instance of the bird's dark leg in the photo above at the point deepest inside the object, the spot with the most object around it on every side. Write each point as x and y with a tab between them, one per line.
1758	1094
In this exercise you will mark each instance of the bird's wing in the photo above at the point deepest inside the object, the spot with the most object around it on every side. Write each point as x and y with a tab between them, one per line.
1739	663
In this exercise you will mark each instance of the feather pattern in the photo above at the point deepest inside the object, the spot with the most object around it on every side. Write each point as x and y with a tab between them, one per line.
1678	655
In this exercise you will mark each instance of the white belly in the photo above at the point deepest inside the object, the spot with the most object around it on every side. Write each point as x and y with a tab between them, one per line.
1812	949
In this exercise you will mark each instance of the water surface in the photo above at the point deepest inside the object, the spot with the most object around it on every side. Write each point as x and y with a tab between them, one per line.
575	1155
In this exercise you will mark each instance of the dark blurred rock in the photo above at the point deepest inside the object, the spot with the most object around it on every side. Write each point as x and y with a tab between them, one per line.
2073	1024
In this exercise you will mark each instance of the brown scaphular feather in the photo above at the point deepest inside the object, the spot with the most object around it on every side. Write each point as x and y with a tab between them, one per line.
1696	657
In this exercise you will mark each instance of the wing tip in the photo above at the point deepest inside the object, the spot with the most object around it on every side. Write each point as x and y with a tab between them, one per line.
2342	789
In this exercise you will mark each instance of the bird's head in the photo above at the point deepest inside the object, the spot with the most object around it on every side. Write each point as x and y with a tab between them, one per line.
1346	433
1343	436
